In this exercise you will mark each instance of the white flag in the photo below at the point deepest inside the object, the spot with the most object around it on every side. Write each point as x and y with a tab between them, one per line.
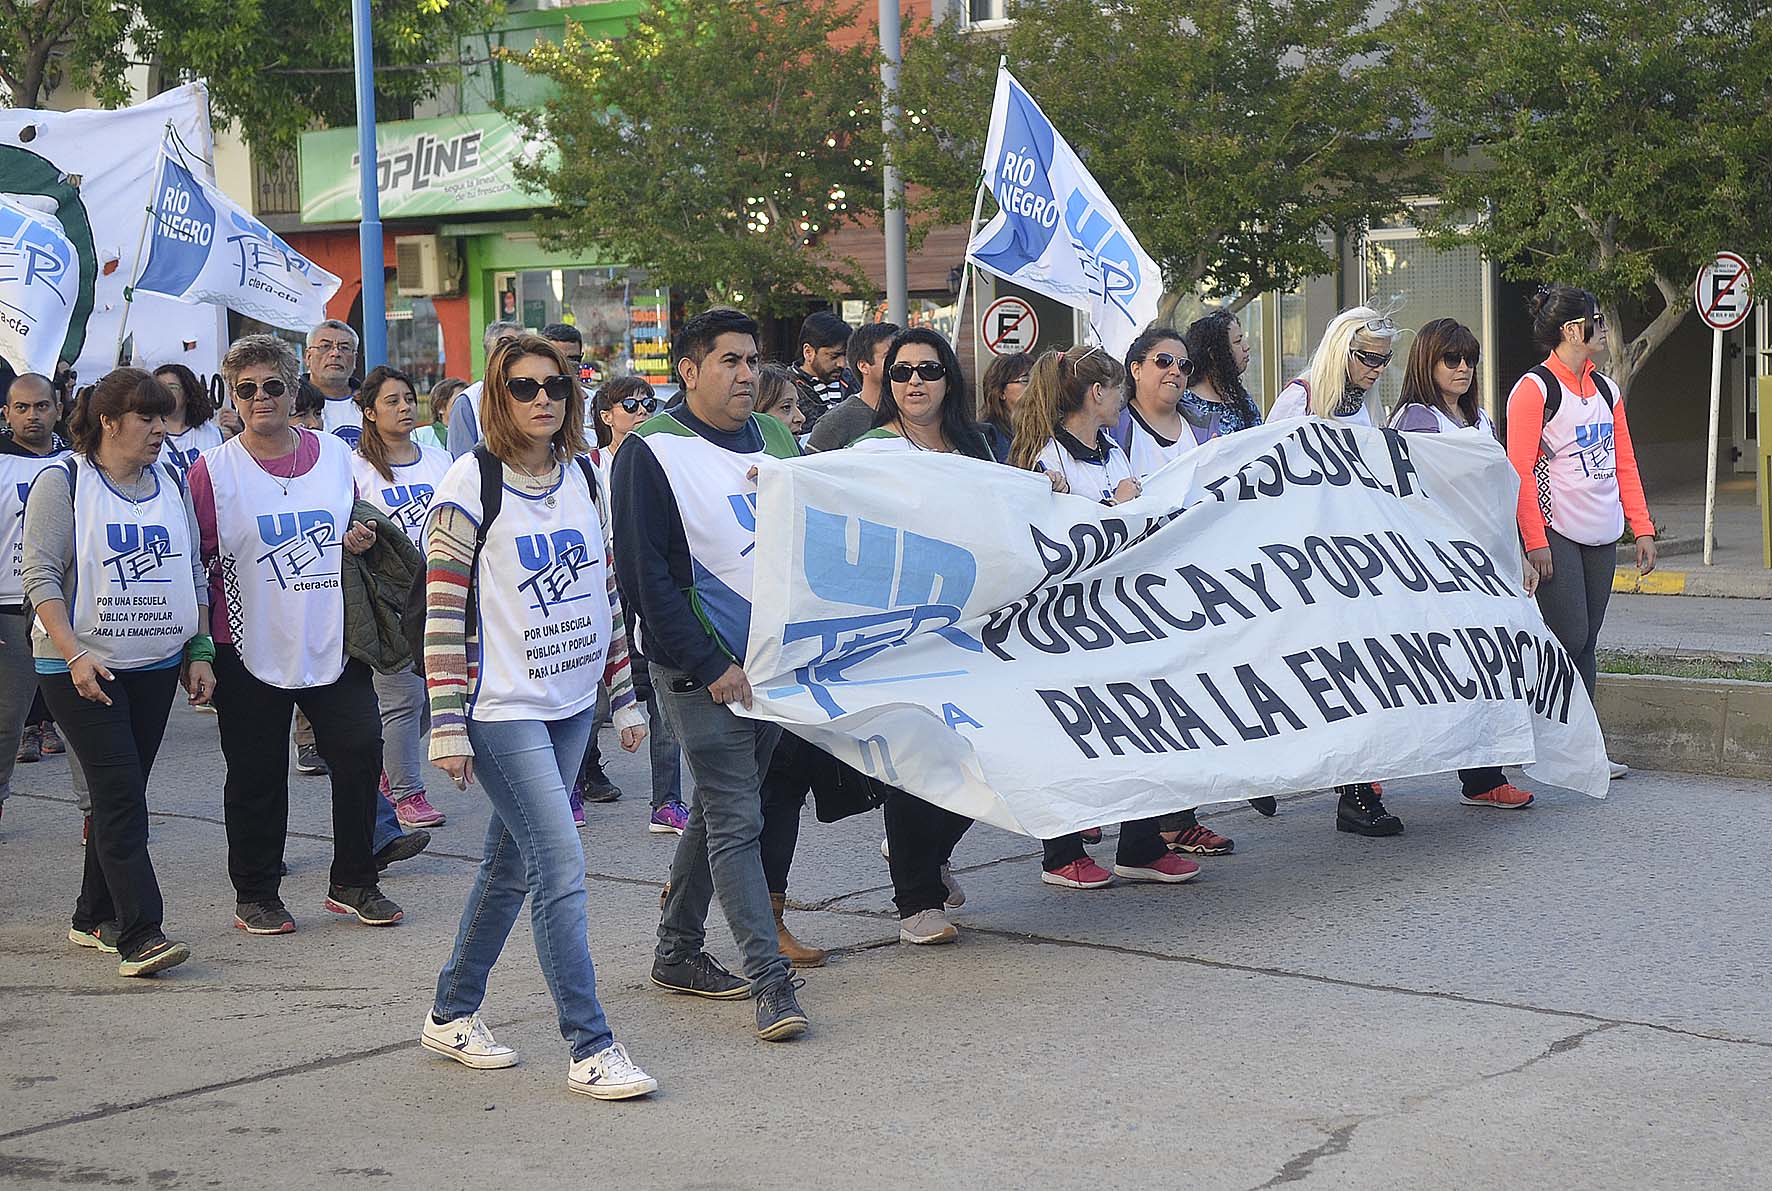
39	284
1056	232
203	247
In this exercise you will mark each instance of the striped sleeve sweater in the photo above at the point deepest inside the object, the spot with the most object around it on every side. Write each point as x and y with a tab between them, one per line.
451	653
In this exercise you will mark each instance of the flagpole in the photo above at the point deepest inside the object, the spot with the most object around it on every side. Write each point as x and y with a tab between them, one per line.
960	319
135	274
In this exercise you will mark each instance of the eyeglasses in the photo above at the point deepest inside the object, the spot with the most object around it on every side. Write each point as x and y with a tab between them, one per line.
1372	359
1454	359
1383	326
927	370
635	404
335	349
247	390
526	389
1164	362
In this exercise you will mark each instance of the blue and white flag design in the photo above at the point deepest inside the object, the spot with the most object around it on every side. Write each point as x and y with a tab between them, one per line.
1056	232
202	247
39	281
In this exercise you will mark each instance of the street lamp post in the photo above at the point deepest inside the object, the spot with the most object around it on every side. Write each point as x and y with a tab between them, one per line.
892	53
375	317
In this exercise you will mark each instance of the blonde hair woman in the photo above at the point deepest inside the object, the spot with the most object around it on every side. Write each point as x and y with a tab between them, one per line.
1355	350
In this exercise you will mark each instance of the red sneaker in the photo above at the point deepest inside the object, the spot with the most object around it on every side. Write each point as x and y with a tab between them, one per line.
1201	840
1090	835
1168	868
1507	797
1078	874
415	810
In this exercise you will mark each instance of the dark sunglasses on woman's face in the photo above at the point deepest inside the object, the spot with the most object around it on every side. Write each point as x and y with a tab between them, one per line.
1454	359
1372	359
524	389
246	390
1164	362
928	370
635	404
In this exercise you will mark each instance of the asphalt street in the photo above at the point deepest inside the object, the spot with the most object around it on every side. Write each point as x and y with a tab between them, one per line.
1572	996
1688	624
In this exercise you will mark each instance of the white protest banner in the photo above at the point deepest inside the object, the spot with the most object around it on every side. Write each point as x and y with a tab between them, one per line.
203	247
1296	606
97	168
1093	262
39	282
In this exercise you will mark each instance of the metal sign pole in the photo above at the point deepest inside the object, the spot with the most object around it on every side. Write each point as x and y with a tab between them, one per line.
1710	467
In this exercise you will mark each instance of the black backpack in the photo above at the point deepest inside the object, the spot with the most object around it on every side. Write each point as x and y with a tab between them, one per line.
492	495
1553	390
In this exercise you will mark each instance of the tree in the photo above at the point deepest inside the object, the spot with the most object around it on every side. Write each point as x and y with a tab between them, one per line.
273	68
713	145
1609	144
1237	137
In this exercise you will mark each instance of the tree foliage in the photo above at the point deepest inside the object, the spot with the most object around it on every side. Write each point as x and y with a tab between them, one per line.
273	68
1236	136
714	145
1610	144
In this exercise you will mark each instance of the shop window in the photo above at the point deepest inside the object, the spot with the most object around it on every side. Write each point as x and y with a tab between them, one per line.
938	314
625	322
415	339
1415	283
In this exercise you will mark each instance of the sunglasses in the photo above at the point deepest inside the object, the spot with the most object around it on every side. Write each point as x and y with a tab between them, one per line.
1164	362
1454	359
1372	359
927	370
634	405
525	389
247	390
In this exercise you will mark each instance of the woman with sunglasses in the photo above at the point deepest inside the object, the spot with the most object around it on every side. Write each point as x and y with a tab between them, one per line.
618	407
274	507
1061	428
1441	395
1355	350
1152	429
1579	486
1004	383
514	699
399	477
923	405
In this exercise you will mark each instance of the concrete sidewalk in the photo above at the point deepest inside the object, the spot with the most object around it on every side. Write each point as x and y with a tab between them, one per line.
1573	996
1737	567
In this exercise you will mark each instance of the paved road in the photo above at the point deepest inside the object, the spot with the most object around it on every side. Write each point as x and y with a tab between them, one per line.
1688	623
1569	997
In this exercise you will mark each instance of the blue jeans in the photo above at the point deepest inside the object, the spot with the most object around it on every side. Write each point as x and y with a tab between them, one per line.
661	742
532	848
387	825
405	718
721	849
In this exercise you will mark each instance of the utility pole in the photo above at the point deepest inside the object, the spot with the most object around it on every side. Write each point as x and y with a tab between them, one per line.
898	304
375	315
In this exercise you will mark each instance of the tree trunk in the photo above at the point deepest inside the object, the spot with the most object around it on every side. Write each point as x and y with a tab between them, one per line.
1628	358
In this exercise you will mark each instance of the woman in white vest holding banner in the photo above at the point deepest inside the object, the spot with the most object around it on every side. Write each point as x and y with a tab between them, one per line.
1061	428
399	477
1356	348
522	623
274	506
110	566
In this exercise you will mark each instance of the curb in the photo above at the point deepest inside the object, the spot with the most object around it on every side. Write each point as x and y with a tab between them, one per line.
1694	725
1732	585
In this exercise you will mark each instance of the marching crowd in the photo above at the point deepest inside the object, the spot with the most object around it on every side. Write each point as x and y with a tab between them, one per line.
484	588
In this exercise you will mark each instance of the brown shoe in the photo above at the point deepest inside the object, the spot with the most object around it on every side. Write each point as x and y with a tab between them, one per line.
799	955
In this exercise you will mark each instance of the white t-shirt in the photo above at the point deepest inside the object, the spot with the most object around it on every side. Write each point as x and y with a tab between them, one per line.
1088	478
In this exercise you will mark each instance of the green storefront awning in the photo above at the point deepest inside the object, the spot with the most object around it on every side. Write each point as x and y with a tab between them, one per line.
443	166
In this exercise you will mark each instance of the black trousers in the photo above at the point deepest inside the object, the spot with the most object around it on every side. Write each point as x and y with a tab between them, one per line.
1141	842
115	745
784	792
1481	781
921	837
254	721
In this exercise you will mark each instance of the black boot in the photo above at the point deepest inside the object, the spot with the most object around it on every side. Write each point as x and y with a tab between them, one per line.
1362	812
1265	806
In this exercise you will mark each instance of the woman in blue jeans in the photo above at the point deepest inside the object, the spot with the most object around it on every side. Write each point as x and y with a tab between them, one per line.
515	700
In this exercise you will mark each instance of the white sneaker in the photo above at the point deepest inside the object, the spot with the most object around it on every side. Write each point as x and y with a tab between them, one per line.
1618	768
609	1075
956	896
467	1041
927	926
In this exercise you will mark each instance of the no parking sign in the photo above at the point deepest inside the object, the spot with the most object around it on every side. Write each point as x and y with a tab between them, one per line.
1010	326
1724	292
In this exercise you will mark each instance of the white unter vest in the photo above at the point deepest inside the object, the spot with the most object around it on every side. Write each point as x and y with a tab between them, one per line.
1577	470
133	602
280	554
541	596
17	473
406	499
181	450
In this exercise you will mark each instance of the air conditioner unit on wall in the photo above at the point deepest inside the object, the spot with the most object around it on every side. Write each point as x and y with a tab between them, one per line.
425	266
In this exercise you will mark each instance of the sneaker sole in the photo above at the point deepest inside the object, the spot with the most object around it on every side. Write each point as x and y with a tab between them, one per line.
80	938
1500	806
172	957
436	821
617	1091
737	994
477	1062
287	928
308	771
786	1028
404	848
1202	849
341	908
663	829
950	935
1152	876
1381	833
1067	883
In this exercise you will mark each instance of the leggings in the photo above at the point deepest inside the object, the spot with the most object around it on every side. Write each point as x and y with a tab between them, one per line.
1573	600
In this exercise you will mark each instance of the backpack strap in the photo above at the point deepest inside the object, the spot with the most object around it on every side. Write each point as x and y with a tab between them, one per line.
73	474
1553	390
1605	389
492	493
584	465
